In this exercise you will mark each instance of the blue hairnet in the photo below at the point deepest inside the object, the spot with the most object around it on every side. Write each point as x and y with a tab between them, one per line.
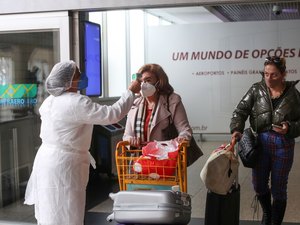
60	77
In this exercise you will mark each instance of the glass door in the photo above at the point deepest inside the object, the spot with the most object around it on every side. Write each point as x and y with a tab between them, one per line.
30	45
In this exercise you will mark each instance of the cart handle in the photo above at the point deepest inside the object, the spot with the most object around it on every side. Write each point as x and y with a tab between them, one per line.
184	144
122	143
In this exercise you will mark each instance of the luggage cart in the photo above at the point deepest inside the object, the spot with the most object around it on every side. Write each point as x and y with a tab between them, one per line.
127	176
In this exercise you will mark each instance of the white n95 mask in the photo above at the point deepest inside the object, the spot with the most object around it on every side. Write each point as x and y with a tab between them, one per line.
147	89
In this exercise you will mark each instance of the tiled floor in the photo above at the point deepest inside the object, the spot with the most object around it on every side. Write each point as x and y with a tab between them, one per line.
198	191
99	219
99	205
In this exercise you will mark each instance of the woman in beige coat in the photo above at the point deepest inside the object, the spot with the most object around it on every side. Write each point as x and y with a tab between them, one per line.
157	106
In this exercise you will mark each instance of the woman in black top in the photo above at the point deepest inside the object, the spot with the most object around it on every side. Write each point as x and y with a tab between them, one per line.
273	107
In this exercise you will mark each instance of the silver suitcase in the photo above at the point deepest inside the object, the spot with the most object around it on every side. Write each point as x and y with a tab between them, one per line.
151	207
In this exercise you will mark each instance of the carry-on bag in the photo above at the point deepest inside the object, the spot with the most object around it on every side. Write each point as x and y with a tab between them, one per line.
224	209
221	169
151	207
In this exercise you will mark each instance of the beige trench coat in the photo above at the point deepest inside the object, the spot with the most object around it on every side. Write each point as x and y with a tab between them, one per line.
160	119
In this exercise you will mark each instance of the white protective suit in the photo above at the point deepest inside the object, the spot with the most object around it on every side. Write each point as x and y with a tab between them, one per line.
57	185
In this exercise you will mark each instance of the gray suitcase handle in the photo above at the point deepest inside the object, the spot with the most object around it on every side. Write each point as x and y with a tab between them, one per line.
110	217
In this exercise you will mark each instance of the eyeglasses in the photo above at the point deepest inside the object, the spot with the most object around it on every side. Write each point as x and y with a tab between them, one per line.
279	62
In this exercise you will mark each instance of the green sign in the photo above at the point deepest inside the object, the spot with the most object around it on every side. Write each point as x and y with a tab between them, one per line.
18	94
18	91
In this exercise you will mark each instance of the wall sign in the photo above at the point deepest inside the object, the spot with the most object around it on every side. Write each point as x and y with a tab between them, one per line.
212	65
18	95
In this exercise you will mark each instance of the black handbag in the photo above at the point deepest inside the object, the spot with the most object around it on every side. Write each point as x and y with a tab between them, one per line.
194	152
170	132
248	148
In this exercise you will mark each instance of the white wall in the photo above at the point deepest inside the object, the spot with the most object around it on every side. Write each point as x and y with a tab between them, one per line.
211	88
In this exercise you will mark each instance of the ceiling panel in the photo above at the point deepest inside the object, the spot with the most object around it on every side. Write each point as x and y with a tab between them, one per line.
287	10
256	12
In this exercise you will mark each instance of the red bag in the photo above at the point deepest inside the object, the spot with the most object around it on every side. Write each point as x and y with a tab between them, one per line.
158	159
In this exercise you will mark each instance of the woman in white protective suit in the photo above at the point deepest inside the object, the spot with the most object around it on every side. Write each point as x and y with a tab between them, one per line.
57	185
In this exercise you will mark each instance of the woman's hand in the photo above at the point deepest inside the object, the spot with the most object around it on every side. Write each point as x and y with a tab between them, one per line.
283	129
236	136
180	139
135	142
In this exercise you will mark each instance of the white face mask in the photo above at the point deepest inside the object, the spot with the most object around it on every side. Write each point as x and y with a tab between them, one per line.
147	89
